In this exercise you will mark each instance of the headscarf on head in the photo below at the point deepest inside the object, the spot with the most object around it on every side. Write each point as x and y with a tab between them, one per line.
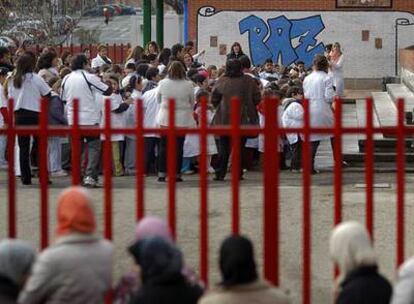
74	212
16	259
151	226
351	248
237	263
159	260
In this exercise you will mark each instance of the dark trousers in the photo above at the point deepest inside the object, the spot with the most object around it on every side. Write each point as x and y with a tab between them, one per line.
224	150
151	146
27	155
92	154
296	161
315	145
162	158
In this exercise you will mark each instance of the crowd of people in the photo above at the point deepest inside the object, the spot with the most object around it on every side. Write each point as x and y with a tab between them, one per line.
157	75
78	266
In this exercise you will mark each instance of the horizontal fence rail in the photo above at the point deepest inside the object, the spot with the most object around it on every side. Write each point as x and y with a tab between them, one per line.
271	132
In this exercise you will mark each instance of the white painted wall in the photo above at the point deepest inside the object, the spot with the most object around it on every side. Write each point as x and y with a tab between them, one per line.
363	60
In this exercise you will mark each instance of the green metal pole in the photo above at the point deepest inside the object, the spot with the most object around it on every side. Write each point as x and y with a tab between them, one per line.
147	21
160	23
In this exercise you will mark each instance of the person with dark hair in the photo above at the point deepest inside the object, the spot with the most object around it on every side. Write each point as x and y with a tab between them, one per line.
134	54
152	48
302	69
293	113
27	90
142	69
188	60
268	72
319	89
177	52
164	59
16	260
236	51
47	65
176	87
66	58
101	58
5	58
83	86
240	282
328	49
233	84
161	264
4	117
153	78
129	71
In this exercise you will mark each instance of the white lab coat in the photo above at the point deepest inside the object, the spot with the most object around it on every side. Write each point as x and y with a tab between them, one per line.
318	88
293	118
118	120
404	289
98	61
337	73
261	140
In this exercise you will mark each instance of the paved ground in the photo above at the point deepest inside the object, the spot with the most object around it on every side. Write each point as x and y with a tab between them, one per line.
251	220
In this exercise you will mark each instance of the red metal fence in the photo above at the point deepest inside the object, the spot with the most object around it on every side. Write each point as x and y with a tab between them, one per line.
117	52
271	132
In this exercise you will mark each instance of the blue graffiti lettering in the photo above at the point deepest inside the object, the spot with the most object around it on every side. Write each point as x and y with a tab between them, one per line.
279	44
258	31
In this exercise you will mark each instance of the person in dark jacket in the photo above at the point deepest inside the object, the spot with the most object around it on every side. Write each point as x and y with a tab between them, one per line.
16	259
236	51
161	266
233	84
56	117
359	282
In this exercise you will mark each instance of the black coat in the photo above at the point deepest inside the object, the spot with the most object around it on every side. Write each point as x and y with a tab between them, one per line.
365	286
9	291
171	291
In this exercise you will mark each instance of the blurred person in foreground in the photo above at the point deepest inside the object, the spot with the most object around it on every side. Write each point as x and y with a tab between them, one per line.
16	259
240	282
77	268
359	281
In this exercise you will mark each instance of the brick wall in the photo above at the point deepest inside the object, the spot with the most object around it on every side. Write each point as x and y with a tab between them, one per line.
367	34
194	5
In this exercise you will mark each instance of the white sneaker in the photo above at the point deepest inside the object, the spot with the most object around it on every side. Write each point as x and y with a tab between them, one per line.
60	173
89	182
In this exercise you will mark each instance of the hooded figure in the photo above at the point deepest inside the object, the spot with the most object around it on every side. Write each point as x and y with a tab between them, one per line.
16	259
240	282
359	283
131	282
79	265
161	264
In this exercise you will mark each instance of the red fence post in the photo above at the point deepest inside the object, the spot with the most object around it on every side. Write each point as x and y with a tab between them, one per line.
44	174
338	161
307	167
139	156
400	181
271	192
236	169
107	156
76	145
172	166
11	138
369	168
203	193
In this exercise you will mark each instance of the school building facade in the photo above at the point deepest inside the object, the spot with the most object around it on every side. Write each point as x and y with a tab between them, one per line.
371	32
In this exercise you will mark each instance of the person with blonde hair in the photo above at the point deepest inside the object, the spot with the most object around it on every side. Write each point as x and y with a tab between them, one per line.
359	281
77	268
336	64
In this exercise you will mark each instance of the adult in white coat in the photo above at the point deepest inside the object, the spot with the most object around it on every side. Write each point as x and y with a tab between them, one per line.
336	62
318	88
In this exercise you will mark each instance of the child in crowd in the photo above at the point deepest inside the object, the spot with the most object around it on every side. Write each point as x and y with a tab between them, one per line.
3	117
293	118
129	71
118	110
134	91
56	117
192	147
268	71
269	94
